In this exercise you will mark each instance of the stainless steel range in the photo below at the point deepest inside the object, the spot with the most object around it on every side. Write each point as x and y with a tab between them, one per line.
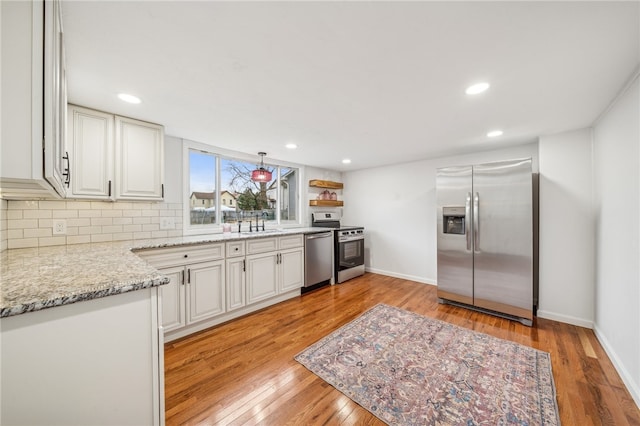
348	245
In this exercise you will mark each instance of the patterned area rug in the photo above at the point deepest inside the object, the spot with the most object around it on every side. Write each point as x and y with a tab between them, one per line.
407	369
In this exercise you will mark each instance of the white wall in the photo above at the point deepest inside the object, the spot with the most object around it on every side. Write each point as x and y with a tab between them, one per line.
566	228
617	208
397	206
172	169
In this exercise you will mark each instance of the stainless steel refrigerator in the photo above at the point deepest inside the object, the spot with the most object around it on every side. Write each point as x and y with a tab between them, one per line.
485	237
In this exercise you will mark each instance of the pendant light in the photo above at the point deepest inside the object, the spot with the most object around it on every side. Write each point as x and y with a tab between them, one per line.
261	174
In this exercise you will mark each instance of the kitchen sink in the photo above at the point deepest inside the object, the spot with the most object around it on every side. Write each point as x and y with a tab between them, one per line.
265	232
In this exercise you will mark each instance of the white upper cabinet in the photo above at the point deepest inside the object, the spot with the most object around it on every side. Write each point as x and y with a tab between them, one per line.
139	160
33	90
114	157
56	160
90	146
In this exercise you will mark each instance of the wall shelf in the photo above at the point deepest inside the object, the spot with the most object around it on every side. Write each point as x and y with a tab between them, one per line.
326	203
316	183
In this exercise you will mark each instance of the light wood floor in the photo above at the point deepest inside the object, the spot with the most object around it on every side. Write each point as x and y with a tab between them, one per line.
243	372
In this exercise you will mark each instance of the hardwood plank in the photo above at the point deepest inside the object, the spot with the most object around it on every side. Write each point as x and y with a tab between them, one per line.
243	371
586	344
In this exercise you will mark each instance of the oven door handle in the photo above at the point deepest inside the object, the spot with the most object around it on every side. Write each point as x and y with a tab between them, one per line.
349	239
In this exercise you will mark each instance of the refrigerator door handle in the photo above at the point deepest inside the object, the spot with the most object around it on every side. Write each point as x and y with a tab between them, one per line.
467	215
476	221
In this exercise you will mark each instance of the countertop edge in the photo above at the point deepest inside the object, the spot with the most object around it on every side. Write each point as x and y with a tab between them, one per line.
126	286
112	290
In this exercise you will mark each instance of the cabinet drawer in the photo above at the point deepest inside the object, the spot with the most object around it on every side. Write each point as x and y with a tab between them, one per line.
291	241
261	245
182	255
235	248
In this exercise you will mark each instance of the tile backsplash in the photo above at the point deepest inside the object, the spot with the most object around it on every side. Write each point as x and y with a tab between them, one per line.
30	223
3	225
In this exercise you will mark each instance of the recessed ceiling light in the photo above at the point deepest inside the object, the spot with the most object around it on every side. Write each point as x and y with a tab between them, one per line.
129	98
291	146
494	133
477	88
346	161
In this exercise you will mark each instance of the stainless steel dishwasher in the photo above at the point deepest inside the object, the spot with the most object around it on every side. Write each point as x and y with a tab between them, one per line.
318	258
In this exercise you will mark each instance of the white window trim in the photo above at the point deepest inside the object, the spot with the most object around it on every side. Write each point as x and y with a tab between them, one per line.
189	229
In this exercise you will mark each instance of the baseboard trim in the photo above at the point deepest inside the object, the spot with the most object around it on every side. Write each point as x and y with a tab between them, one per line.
568	319
580	322
429	281
627	379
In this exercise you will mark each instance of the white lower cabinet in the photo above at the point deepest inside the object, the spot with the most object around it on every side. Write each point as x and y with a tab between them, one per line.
236	269
262	276
291	269
196	290
274	272
173	301
205	285
207	288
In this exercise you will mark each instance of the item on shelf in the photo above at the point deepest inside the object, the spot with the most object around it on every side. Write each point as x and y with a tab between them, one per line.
334	196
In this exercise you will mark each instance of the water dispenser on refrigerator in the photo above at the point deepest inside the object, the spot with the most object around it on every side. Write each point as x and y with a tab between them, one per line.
453	220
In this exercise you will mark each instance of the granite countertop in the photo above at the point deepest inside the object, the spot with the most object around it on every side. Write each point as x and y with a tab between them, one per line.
32	279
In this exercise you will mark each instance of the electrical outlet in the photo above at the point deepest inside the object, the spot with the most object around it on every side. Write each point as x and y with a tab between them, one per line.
167	223
59	226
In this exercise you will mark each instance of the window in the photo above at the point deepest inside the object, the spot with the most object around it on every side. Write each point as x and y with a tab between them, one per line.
221	191
288	194
202	186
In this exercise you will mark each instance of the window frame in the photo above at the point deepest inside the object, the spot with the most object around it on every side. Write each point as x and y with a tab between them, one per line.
219	153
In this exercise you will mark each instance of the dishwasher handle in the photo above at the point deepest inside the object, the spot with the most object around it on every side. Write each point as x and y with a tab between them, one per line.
319	235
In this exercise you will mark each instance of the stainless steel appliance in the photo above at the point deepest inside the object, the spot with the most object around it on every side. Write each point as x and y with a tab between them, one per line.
485	237
348	245
318	258
350	253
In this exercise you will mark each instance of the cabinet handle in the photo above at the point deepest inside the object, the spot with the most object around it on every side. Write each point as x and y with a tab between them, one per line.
67	170
244	265
189	276
162	188
109	188
182	277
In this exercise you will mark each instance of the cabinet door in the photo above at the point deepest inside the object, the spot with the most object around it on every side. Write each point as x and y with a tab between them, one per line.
291	269
55	98
90	148
235	283
139	160
22	163
206	288
262	276
173	303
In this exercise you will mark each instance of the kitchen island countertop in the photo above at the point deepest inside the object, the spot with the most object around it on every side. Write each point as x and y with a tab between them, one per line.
33	279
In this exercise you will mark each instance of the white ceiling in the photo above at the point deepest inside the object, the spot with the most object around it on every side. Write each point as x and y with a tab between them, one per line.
377	82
